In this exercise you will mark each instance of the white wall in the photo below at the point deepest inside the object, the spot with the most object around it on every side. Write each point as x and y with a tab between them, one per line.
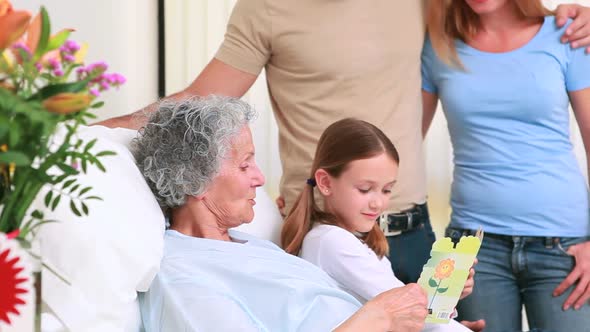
121	33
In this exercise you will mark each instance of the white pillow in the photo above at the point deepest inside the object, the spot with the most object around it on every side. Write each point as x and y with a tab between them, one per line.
117	249
109	255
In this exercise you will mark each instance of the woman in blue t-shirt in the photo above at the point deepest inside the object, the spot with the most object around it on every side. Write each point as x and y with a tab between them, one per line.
505	83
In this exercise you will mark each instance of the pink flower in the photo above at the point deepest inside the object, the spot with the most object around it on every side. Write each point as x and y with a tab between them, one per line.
117	79
53	63
104	85
94	92
97	67
58	72
69	58
69	47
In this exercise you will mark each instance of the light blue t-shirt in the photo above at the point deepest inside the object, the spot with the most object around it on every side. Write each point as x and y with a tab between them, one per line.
246	285
515	170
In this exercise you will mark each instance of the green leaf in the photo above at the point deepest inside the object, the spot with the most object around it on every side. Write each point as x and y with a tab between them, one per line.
75	209
432	283
85	190
58	40
55	202
52	90
442	290
90	145
16	157
37	214
67	169
97	105
48	197
74	188
89	115
14	134
45	33
106	153
68	183
4	127
93	197
84	208
84	165
59	179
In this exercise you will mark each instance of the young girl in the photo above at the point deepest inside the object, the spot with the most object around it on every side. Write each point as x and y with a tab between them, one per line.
354	170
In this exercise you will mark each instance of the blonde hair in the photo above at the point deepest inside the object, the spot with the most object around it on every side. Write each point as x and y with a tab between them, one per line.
449	20
341	143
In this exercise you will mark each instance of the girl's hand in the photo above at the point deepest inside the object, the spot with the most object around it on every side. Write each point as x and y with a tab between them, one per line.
470	283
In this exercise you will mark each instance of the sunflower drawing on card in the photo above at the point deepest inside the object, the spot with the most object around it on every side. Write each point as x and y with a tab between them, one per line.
444	275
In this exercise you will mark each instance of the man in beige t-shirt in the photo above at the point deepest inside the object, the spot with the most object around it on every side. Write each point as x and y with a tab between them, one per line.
327	60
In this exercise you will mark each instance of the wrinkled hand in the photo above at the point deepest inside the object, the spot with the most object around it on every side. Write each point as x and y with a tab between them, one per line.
476	326
470	283
577	33
580	274
404	308
280	202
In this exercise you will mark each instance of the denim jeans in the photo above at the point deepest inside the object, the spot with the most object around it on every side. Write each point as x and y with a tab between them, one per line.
410	250
517	270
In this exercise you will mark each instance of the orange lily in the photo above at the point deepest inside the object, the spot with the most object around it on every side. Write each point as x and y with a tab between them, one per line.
34	33
13	24
67	102
5	6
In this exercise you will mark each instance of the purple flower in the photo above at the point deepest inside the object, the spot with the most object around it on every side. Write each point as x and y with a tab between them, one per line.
97	67
94	92
69	58
53	63
58	72
117	79
38	66
70	47
104	85
23	48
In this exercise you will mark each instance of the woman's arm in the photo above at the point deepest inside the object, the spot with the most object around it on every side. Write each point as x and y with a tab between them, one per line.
429	102
579	277
580	101
398	309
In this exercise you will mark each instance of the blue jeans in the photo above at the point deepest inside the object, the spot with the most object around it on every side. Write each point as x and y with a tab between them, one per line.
517	270
410	250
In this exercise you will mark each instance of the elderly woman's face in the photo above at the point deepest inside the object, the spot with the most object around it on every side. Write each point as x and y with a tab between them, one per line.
230	197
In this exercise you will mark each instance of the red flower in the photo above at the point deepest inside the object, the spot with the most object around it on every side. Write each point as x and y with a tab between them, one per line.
10	286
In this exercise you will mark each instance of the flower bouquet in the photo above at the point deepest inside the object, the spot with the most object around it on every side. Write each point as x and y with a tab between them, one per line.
45	88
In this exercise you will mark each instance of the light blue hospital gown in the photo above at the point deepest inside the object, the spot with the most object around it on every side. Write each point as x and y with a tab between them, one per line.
246	285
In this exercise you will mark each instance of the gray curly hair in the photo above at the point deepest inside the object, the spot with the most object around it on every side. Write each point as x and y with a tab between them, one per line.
181	148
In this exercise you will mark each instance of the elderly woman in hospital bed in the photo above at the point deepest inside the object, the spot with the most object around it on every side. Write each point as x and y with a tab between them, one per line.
198	158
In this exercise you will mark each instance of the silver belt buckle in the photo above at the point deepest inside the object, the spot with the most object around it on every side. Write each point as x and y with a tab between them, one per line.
384	225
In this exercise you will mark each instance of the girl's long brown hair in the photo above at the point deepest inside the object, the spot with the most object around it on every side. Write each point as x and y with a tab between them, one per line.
449	20
342	142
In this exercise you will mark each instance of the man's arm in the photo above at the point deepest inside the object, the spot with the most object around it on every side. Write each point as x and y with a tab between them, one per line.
216	78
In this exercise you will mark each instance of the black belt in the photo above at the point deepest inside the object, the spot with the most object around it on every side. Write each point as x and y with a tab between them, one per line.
395	223
548	241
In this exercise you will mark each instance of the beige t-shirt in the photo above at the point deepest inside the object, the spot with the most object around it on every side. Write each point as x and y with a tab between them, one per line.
326	60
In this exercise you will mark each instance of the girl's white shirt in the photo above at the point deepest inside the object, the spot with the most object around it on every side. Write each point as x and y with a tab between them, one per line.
355	267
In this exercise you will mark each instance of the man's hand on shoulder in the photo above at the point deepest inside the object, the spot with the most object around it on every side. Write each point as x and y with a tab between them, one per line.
577	33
